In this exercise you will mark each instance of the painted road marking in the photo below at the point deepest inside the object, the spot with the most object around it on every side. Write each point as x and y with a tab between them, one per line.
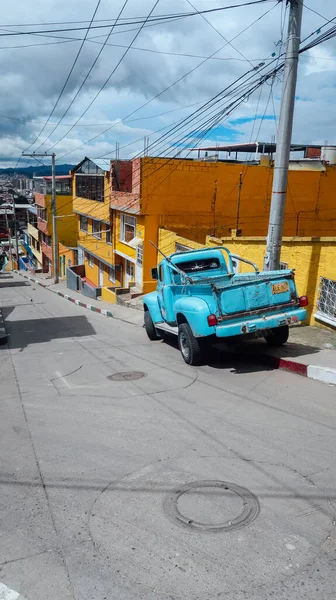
7	594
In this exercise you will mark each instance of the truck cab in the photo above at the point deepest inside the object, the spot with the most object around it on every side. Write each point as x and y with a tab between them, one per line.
202	300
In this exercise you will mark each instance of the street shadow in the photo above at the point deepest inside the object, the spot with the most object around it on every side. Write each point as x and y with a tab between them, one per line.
250	356
26	332
11	284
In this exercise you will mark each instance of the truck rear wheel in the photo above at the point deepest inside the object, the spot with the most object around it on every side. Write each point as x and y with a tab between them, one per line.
150	328
190	347
277	336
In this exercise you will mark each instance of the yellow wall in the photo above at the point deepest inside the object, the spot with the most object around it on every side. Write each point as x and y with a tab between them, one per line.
93	244
109	295
197	198
67	231
310	257
68	254
92	273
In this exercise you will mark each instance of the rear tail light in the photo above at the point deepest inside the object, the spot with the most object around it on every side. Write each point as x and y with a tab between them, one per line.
303	301
212	320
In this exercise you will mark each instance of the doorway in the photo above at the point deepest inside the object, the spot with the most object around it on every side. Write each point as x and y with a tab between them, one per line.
100	274
129	273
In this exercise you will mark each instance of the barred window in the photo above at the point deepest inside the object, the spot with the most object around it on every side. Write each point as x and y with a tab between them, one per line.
326	302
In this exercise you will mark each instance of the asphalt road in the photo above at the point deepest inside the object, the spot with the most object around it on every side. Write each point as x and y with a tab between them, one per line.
102	492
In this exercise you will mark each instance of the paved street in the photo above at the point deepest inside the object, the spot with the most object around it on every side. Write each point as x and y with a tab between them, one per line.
96	494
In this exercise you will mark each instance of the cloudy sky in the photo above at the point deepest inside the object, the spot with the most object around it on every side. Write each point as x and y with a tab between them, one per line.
34	68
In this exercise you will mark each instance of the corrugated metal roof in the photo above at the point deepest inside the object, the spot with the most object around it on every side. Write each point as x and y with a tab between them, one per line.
267	147
102	163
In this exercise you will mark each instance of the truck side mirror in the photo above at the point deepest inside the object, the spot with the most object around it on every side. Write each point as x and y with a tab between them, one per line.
154	273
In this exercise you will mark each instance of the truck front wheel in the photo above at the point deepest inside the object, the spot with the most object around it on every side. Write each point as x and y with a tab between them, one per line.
277	336
150	329
190	347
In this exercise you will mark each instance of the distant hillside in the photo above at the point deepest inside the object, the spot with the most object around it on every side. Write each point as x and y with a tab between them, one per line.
38	171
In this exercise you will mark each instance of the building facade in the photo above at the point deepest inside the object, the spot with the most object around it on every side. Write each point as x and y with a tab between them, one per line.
66	220
91	204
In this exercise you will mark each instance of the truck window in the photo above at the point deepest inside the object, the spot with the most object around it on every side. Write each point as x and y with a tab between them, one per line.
160	273
203	264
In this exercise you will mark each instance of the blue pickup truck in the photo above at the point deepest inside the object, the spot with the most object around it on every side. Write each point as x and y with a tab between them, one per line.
202	300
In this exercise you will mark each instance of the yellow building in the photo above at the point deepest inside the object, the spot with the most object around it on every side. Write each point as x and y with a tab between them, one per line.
67	232
196	198
91	204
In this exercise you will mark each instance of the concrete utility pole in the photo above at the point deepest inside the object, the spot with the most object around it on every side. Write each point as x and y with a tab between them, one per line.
54	212
9	240
280	176
16	237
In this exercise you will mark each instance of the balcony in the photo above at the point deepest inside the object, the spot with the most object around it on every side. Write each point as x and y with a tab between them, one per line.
33	231
47	250
42	226
40	200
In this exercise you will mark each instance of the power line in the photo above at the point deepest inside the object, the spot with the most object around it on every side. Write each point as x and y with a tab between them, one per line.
68	77
84	80
170	86
219	33
108	79
138	22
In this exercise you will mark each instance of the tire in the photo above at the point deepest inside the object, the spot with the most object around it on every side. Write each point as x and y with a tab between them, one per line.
150	329
190	347
277	336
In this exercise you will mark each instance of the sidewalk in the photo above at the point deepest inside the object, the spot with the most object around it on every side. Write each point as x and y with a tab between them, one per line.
310	351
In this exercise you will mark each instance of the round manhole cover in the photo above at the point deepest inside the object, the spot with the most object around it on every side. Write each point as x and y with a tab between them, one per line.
127	376
211	501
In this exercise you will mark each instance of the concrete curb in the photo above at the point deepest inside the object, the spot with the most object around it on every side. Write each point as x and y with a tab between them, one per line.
319	373
3	332
101	311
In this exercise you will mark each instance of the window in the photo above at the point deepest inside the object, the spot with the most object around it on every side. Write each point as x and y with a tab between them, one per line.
108	234
96	229
41	213
127	228
326	303
283	266
111	274
139	254
83	223
90	187
160	273
89	258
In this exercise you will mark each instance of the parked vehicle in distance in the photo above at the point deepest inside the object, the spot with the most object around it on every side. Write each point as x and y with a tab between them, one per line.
201	300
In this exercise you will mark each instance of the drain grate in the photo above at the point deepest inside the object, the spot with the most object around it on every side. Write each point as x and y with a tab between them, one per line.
127	376
250	506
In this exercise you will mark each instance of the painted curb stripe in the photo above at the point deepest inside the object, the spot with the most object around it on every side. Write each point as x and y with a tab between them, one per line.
7	594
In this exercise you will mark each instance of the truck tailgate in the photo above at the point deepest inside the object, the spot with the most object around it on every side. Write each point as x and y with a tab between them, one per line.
250	294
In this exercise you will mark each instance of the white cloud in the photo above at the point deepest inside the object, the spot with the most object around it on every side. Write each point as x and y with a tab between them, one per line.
33	77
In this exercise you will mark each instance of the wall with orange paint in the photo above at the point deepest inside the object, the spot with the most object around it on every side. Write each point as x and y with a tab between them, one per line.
197	198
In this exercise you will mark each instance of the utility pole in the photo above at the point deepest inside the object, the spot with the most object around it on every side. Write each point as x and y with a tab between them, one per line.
9	239
16	238
54	212
280	176
240	185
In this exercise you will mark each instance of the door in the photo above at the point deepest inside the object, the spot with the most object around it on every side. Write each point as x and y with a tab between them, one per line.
80	254
138	266
129	273
100	274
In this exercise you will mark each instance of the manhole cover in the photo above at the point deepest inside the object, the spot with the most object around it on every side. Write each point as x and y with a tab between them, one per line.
127	376
230	498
